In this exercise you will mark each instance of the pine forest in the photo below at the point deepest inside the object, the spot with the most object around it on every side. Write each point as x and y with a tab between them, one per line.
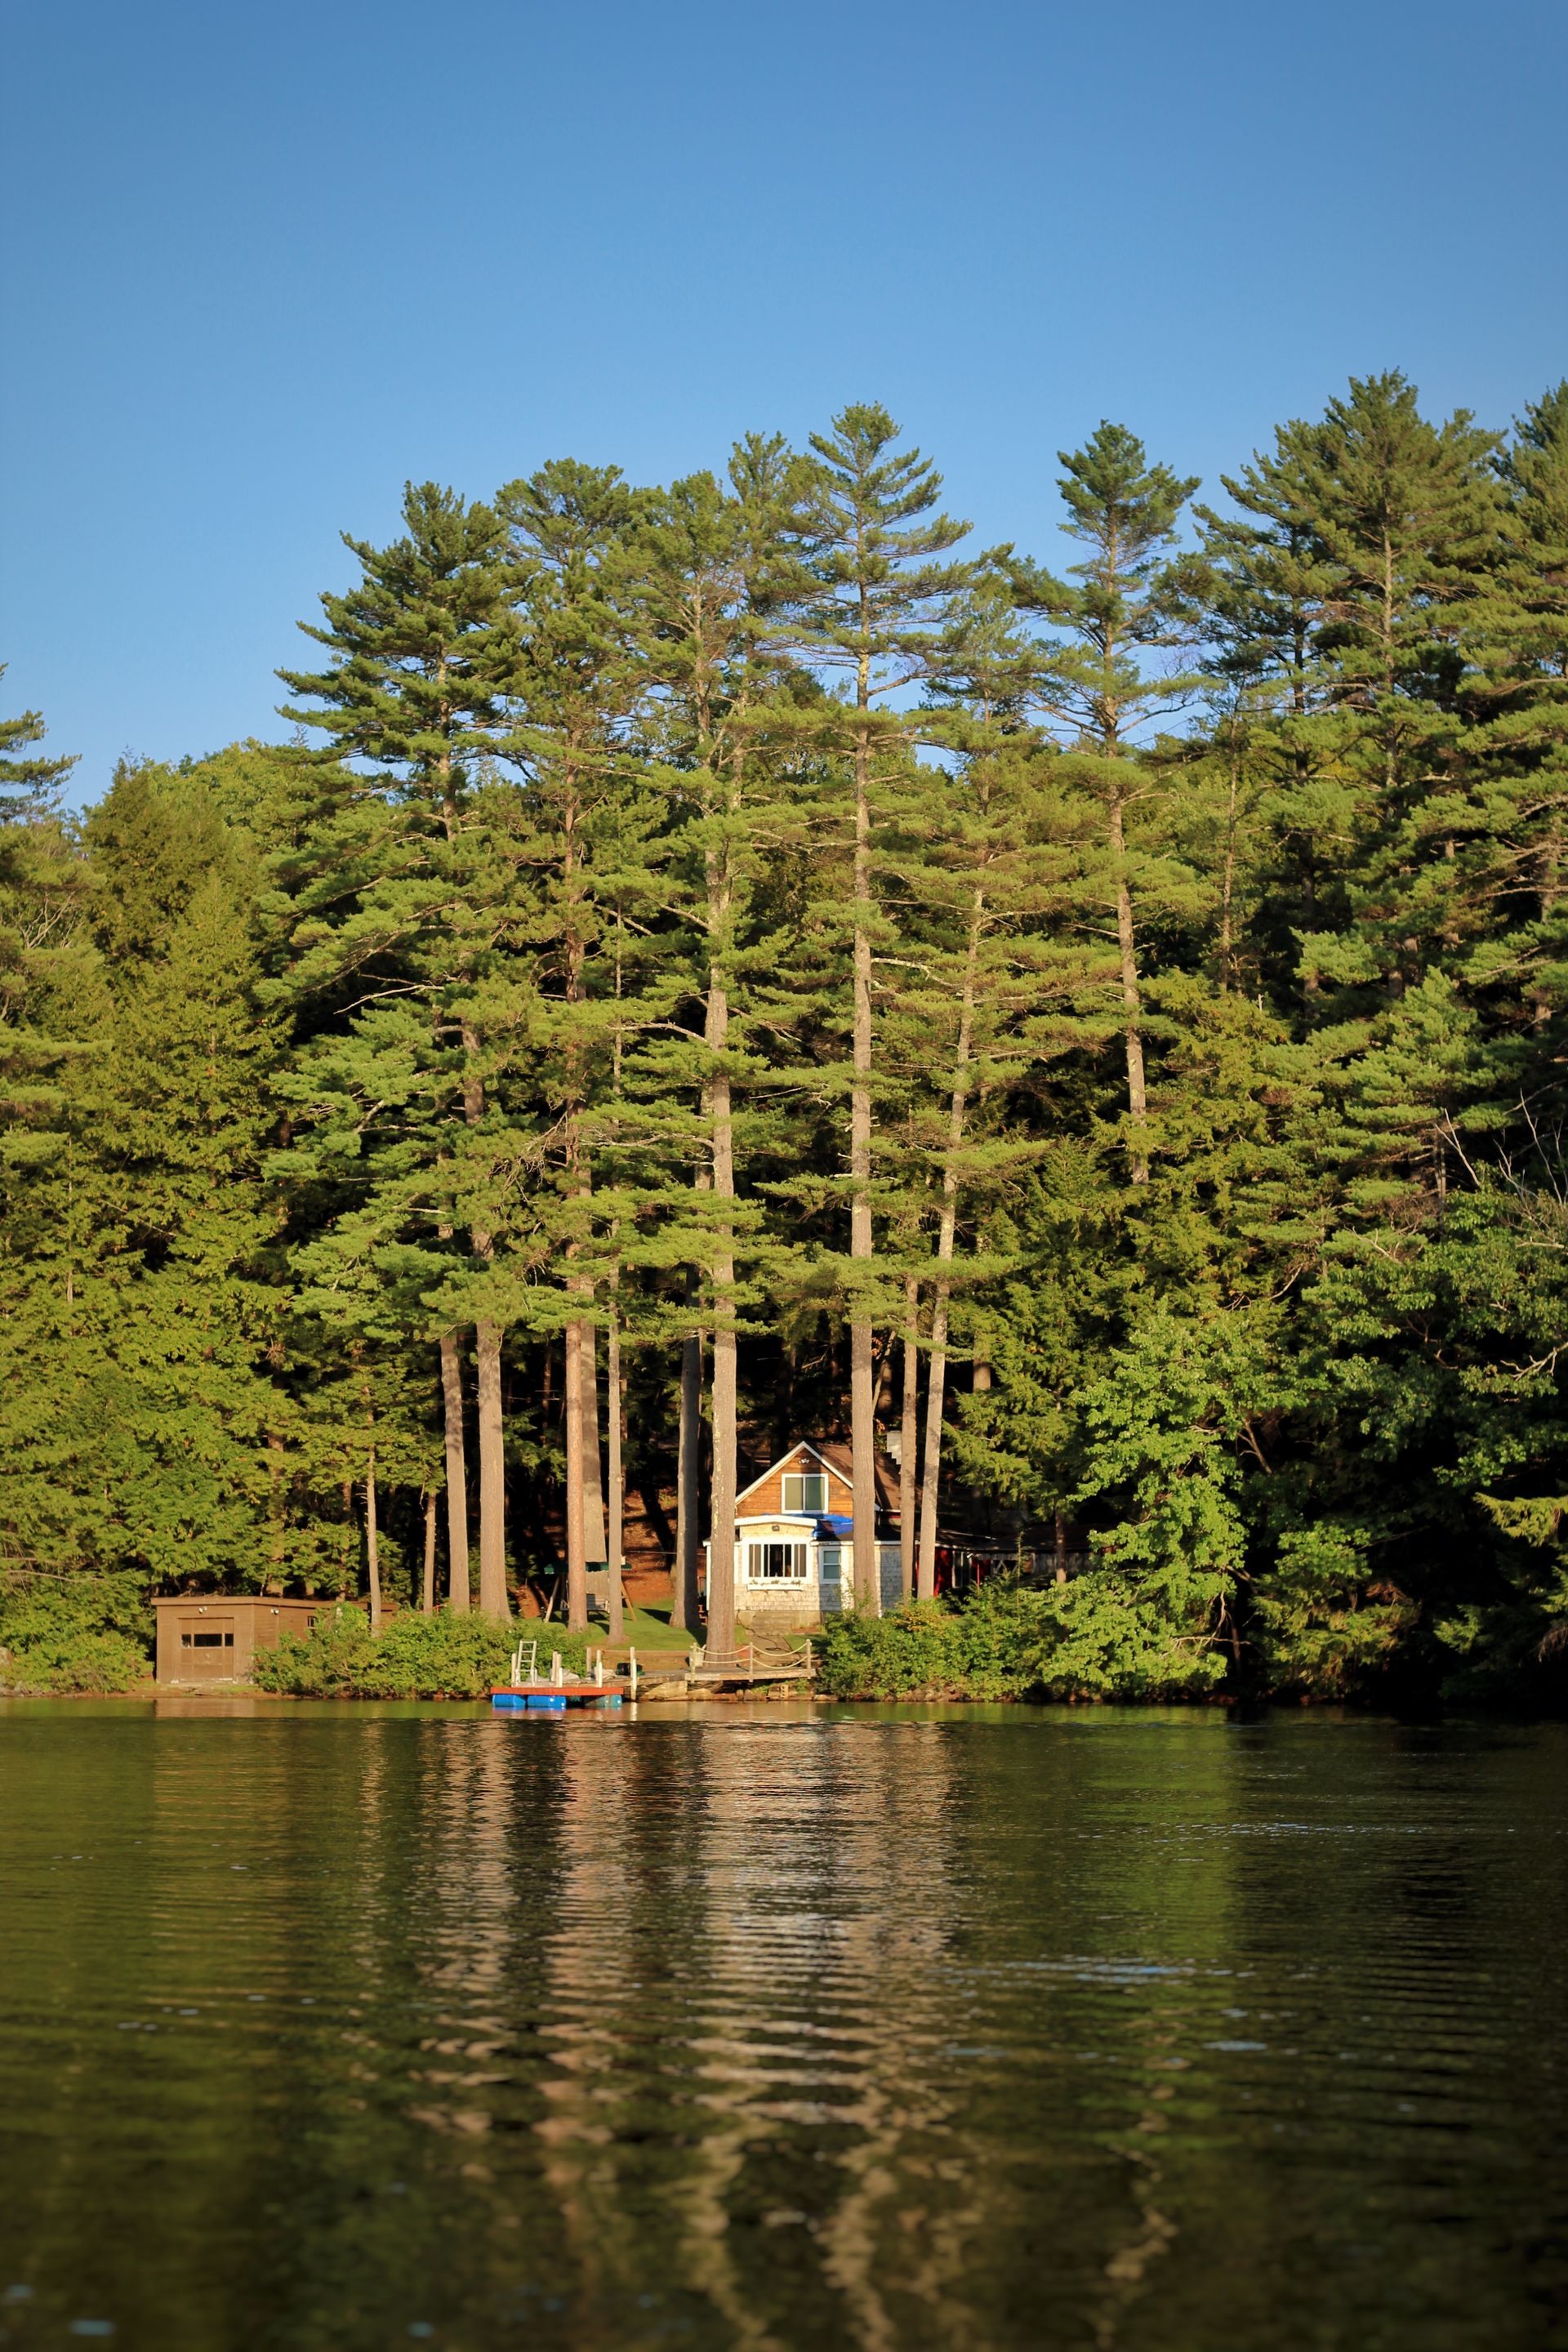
708	966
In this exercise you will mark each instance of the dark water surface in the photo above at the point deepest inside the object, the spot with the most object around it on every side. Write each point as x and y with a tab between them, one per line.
327	2026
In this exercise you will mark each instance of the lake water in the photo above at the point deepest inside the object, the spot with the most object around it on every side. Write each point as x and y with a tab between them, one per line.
767	2027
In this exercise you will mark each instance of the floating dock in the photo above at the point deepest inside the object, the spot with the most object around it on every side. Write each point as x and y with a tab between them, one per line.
529	1691
550	1698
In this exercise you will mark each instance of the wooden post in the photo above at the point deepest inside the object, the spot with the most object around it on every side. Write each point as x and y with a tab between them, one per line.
634	1668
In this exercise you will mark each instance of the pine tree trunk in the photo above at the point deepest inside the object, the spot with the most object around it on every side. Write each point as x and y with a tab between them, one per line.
722	1511
688	1466
372	1545
595	1546
277	1481
1390	729
427	1592
909	1437
579	1180
617	1484
1228	884
882	1370
931	1469
576	1558
862	1408
457	1594
277	1546
686	1611
583	1485
1550	887
1137	1097
493	1599
946	1235
722	1495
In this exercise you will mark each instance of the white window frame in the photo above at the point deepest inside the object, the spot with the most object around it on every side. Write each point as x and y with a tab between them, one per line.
800	1480
798	1571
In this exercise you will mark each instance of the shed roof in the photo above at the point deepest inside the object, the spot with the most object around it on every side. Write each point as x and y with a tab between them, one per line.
237	1600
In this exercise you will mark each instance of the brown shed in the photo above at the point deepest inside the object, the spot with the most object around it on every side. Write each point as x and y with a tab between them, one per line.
213	1637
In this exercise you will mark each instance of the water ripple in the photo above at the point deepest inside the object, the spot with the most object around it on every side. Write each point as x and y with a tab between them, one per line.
328	2028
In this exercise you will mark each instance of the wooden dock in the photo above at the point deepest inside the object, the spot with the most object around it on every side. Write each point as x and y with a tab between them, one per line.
749	1664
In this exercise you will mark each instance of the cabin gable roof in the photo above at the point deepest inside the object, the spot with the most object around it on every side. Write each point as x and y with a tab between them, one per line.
794	1460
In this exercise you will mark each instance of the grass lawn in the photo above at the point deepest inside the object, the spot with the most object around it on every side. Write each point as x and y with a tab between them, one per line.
645	1629
650	1629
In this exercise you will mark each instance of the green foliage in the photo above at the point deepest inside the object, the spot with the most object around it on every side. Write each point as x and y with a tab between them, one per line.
1320	1625
414	1656
1159	1432
30	778
136	1223
988	1649
1098	1637
730	910
72	1634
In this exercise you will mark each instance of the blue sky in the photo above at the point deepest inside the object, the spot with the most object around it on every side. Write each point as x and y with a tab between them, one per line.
263	264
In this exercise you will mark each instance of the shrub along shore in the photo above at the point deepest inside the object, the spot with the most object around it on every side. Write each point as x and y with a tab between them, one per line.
1004	1642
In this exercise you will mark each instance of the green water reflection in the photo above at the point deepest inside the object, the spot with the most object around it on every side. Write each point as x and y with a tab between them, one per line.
779	2027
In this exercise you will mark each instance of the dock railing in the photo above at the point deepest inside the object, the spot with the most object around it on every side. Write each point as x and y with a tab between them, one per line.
778	1659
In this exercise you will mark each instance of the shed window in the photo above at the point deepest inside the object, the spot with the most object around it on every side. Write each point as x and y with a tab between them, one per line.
206	1640
776	1564
805	1491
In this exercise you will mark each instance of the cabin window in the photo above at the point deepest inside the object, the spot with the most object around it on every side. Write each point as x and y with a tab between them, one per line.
776	1564
805	1491
206	1640
830	1563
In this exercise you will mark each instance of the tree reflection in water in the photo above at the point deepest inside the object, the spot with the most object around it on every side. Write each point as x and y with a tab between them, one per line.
763	2027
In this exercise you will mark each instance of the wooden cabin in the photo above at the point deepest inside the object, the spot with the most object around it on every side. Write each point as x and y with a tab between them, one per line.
213	1637
795	1556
